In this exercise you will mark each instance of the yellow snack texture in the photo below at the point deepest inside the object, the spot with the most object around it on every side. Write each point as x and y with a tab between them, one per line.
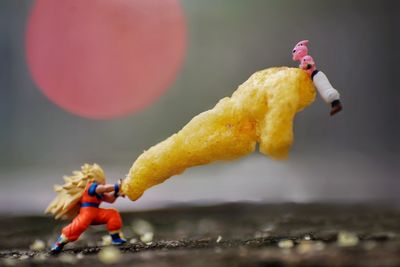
261	110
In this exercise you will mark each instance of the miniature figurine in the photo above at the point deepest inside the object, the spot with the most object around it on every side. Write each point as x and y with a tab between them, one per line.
80	197
261	111
321	82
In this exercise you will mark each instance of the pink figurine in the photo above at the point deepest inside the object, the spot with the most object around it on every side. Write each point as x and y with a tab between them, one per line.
321	82
300	50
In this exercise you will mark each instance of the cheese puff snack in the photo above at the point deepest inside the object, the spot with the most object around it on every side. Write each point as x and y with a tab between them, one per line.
260	111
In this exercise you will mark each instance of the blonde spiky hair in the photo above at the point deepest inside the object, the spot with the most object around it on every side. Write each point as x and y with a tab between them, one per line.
65	204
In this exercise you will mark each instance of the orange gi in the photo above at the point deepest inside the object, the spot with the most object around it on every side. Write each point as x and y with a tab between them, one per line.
91	214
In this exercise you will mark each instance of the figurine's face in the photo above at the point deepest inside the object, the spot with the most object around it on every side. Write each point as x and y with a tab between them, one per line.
299	51
307	63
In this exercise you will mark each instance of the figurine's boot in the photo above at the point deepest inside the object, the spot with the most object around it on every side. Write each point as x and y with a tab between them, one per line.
117	238
59	245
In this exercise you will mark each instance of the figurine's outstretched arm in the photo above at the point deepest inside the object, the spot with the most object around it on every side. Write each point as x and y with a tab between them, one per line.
109	197
104	188
110	192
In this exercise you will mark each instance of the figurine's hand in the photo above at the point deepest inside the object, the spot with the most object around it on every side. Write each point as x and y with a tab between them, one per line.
336	107
120	193
117	189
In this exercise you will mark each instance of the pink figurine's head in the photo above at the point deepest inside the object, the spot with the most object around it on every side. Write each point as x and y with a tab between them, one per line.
300	50
307	63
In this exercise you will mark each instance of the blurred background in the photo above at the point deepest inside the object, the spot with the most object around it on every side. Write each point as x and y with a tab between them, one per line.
197	53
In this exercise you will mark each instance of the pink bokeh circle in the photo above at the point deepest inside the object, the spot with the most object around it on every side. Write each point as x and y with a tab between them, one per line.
105	59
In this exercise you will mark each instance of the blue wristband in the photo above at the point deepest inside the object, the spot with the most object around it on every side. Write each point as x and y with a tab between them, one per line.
116	189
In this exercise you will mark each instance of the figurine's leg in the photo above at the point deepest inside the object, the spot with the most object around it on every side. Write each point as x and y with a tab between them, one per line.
112	219
72	231
59	244
79	224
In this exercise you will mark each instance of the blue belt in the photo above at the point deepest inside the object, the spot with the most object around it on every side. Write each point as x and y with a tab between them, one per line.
89	204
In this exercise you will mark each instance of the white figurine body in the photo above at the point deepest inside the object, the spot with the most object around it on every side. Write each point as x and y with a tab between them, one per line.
324	87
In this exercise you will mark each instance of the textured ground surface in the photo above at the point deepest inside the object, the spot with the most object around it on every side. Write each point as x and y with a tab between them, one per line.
227	235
